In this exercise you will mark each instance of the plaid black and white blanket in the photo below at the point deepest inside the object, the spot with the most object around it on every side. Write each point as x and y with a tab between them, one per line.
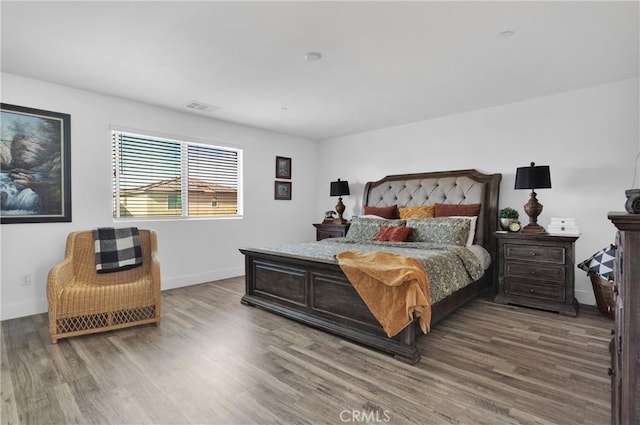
117	249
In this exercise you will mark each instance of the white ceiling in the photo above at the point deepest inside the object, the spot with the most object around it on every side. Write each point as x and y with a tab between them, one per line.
384	63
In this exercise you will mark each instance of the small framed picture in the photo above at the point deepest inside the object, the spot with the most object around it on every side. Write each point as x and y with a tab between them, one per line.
283	167
282	191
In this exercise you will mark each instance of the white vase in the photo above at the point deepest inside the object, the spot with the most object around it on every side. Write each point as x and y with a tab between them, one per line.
505	222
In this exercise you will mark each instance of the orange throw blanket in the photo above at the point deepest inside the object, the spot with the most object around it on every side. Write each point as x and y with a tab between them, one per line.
394	287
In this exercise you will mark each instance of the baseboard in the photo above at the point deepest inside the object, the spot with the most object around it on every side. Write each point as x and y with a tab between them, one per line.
194	279
14	311
585	297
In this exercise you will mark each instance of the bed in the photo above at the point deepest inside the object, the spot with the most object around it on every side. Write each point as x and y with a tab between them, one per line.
314	290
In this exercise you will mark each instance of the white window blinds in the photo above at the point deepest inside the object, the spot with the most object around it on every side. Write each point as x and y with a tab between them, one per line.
156	177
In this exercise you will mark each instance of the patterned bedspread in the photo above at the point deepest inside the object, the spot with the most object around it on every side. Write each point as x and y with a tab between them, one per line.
448	267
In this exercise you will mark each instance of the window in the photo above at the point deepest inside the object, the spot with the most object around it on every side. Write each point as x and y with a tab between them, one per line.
157	177
175	202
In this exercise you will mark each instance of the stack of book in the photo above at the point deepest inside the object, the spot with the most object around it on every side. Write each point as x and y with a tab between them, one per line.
564	226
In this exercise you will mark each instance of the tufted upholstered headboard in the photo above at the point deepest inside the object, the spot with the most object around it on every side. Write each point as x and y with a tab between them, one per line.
442	187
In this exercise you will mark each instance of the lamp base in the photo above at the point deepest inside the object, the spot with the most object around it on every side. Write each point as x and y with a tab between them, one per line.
533	208
340	210
533	229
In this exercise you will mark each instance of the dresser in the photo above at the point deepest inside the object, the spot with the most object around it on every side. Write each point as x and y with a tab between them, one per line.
625	343
330	230
537	270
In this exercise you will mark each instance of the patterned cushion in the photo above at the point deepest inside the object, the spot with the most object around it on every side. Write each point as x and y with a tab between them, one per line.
367	228
393	233
390	212
444	230
447	210
601	262
421	211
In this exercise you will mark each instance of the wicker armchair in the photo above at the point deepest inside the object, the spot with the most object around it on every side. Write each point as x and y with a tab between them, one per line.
82	301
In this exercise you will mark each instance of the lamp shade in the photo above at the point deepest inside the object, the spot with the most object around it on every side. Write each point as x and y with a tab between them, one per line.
340	188
533	177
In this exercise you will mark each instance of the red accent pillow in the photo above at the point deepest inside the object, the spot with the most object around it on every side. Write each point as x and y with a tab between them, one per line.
393	233
447	210
386	212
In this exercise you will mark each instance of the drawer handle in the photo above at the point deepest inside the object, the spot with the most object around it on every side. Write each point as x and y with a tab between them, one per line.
533	254
532	290
533	272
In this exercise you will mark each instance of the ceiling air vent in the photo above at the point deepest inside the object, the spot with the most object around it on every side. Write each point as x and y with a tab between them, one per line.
195	105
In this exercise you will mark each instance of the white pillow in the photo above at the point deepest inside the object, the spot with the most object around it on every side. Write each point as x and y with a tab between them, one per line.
472	227
482	254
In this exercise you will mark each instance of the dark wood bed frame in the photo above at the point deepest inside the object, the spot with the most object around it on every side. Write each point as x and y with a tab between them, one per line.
317	293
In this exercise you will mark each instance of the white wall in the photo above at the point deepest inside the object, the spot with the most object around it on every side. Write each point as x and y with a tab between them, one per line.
588	137
190	251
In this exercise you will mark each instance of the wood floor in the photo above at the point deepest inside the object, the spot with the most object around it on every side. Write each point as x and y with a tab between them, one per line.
215	361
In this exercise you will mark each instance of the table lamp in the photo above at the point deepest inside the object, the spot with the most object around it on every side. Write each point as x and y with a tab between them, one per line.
339	188
533	177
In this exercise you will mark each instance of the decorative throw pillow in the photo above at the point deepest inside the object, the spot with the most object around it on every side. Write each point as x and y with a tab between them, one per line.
448	210
443	230
393	233
472	227
422	211
601	262
386	212
367	228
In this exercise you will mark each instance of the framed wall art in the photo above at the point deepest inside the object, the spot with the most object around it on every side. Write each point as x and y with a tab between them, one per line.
283	167
282	191
35	169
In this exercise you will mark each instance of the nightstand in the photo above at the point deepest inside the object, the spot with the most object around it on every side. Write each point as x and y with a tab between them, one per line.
330	230
537	270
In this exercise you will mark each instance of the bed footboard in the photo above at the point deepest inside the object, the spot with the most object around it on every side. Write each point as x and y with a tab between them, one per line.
318	294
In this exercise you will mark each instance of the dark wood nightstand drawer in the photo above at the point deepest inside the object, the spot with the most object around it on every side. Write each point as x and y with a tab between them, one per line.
534	290
537	270
547	273
330	230
545	254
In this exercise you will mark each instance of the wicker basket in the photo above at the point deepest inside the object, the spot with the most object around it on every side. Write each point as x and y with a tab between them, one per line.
603	290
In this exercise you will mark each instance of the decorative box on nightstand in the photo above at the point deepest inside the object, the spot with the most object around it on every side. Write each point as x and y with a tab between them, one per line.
537	270
330	230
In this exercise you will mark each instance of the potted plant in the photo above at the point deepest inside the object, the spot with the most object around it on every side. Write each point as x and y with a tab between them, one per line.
507	216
